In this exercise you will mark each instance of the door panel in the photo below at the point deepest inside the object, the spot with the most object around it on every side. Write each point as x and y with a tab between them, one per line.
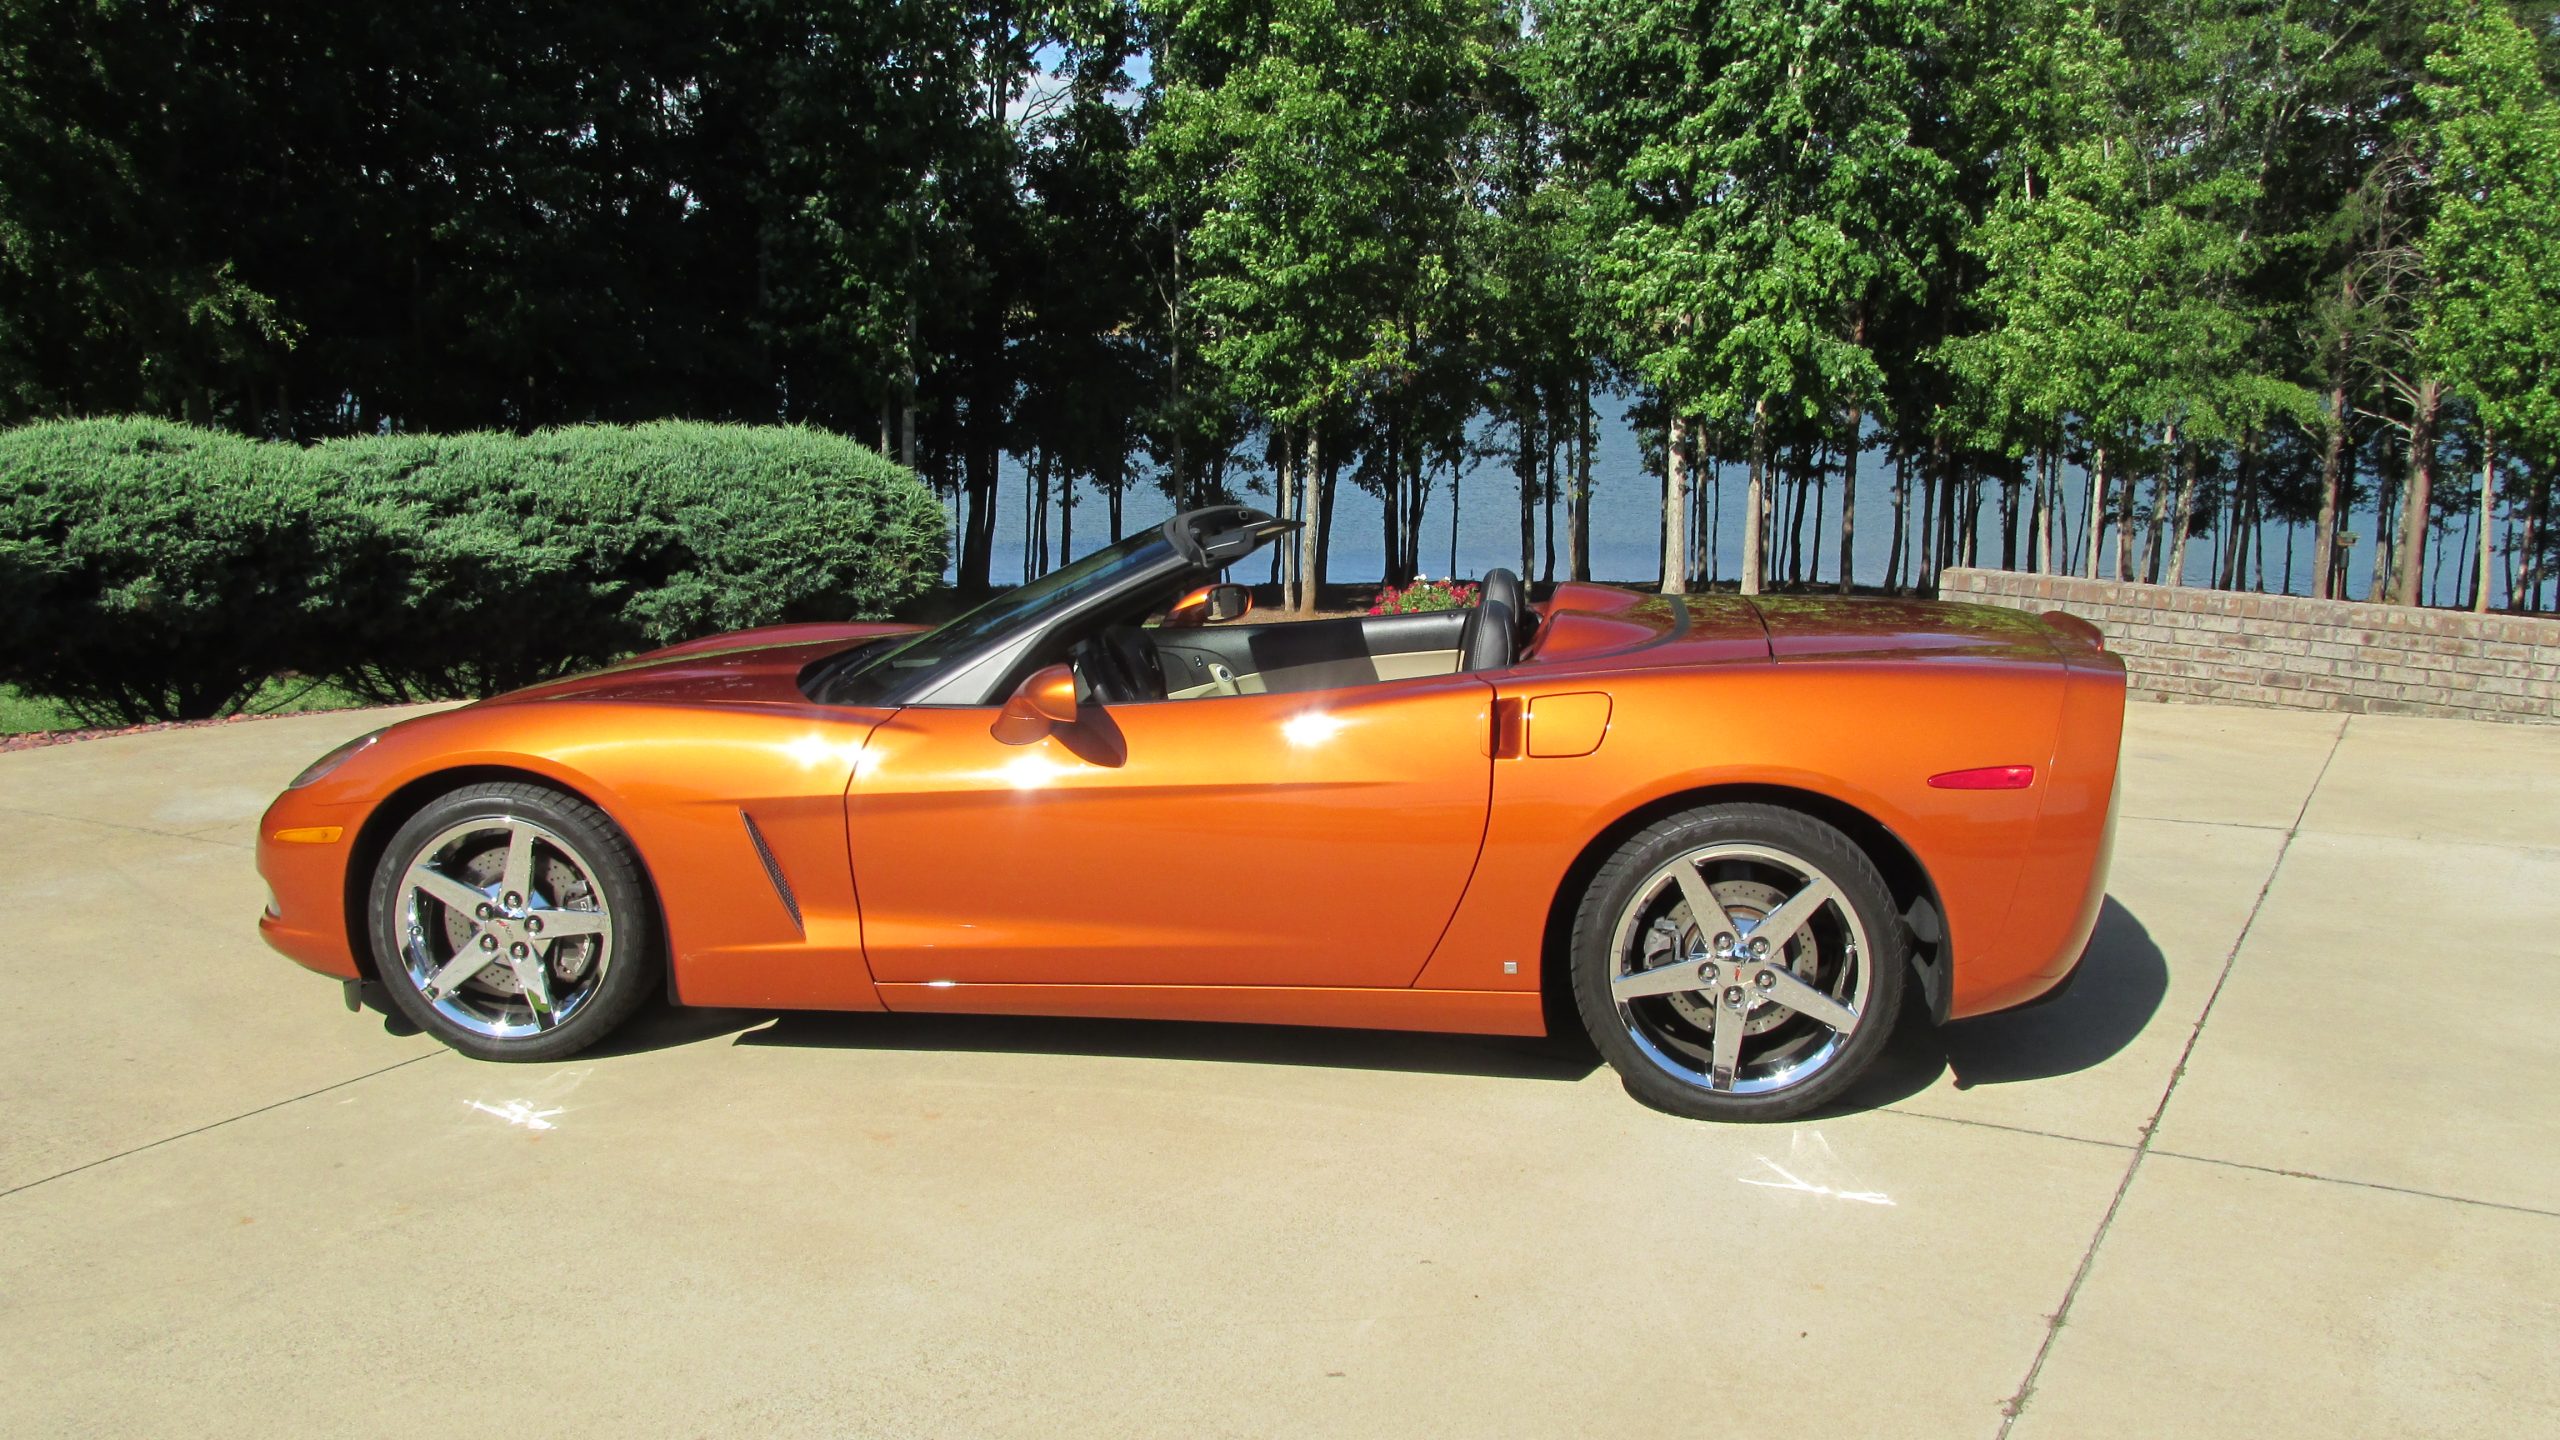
1312	839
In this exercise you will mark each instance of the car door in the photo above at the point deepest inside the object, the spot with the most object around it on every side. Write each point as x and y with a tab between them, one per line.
1305	839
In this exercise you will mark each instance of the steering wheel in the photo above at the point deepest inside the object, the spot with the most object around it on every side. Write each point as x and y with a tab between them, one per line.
1122	666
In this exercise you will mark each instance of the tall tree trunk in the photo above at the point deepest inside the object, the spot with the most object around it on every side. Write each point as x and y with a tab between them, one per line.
2386	530
1675	507
1582	480
1288	492
1528	469
1417	505
2097	513
2409	565
2244	481
1821	502
2040	517
1707	478
2184	461
2529	546
2332	471
1793	536
1035	517
1390	526
2488	516
1310	507
1547	504
2124	525
978	529
2008	526
1755	539
1849	494
1389	454
1896	547
1457	476
1327	488
2258	543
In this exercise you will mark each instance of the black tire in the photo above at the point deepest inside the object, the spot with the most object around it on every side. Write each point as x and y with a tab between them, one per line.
618	968
1650	1041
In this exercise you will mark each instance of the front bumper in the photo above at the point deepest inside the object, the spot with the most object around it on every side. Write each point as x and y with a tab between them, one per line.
306	915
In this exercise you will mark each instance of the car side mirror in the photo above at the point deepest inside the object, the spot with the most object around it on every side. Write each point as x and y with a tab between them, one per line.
1211	604
1045	699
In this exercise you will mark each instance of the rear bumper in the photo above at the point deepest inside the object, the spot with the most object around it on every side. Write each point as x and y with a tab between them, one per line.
2062	886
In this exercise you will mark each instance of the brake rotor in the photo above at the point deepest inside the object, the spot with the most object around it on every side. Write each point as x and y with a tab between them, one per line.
559	883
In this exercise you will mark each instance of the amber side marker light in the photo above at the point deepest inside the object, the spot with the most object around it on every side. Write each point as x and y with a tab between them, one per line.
327	834
1989	777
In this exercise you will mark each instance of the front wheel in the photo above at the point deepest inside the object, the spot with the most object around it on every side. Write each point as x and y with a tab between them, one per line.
1738	962
511	922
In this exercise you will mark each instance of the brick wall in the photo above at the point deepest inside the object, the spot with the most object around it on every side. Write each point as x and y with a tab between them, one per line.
2235	648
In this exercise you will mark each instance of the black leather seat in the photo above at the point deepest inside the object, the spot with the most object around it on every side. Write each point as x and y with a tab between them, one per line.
1491	638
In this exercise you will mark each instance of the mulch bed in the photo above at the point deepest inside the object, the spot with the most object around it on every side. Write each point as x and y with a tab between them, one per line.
38	739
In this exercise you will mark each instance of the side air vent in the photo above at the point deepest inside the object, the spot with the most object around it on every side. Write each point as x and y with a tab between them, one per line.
773	872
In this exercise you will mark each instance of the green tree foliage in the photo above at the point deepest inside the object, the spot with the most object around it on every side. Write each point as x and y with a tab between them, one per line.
2493	247
1319	261
2102	283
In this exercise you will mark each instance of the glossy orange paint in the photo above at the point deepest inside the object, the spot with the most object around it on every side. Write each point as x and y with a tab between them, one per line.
1046	701
1389	854
1300	840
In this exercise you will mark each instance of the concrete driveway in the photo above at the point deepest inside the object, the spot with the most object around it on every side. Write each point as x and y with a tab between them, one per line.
2286	1162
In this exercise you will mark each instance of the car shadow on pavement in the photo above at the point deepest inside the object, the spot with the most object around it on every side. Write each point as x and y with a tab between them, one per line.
2118	990
2112	999
1496	1056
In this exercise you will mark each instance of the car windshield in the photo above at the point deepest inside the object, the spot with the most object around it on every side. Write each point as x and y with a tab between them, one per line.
876	673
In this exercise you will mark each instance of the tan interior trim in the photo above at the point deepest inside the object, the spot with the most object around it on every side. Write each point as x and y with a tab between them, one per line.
1326	674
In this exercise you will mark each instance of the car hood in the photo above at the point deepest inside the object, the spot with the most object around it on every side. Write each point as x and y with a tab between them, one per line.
745	667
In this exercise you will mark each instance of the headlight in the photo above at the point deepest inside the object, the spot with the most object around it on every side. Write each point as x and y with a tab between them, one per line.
333	759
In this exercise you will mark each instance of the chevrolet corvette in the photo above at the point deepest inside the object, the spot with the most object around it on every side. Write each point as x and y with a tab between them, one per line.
1736	840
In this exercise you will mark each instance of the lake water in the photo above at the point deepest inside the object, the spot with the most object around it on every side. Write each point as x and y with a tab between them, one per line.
1626	524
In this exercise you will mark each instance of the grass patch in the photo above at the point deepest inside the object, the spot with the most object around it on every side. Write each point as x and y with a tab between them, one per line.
24	714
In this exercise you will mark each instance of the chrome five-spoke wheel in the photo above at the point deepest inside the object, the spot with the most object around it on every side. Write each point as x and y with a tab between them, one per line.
511	920
503	928
1739	962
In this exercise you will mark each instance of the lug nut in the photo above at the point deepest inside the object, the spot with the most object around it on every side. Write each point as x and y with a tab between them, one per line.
488	942
514	900
1724	940
518	950
533	925
484	910
1707	972
1733	996
1759	947
1766	979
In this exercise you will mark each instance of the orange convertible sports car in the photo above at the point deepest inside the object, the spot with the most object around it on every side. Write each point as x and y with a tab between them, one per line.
1728	834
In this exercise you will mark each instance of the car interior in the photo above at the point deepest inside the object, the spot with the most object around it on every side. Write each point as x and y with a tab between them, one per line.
1123	663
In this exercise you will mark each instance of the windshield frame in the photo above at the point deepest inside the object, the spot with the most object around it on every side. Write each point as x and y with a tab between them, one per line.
976	657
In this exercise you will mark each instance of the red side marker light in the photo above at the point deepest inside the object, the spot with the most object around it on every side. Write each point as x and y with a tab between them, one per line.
1989	777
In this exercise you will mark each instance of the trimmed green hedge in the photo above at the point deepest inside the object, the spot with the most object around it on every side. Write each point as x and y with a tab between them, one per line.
151	571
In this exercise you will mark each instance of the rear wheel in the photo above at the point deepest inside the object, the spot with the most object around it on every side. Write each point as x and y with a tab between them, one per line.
510	921
1738	962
